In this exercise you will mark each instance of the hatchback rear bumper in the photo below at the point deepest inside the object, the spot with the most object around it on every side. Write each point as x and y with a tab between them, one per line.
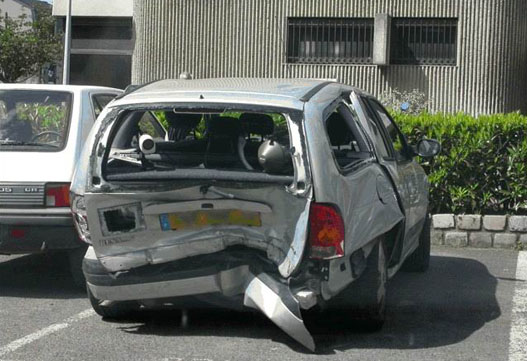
36	230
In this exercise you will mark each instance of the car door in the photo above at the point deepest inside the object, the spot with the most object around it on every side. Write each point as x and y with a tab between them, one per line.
408	177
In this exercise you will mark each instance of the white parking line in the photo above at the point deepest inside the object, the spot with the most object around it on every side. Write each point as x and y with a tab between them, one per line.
21	342
518	337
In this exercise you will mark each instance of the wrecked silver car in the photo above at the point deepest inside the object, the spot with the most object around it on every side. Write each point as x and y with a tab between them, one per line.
293	197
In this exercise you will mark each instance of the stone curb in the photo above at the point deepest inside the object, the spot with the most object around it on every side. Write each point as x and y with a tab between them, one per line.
474	230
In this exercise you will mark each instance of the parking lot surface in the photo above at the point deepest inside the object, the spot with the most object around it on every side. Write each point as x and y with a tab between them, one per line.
470	305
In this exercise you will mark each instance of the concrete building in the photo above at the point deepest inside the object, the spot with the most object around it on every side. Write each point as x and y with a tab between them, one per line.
465	55
102	40
16	8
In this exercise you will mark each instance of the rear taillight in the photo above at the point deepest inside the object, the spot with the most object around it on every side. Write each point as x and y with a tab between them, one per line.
58	195
326	232
80	218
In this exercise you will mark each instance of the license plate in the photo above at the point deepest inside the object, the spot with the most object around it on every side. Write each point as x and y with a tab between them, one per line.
200	219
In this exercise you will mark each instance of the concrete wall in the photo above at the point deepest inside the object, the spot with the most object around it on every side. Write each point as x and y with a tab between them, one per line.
14	9
245	38
117	8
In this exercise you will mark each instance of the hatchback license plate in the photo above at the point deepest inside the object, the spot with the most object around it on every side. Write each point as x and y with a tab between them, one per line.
200	219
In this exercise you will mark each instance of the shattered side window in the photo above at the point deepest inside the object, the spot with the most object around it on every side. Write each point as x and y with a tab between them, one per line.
395	137
227	140
347	146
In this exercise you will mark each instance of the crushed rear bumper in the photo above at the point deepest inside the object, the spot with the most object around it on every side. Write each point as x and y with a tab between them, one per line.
229	279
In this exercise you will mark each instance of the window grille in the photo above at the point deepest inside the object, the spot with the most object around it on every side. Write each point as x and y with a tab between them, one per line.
425	41
330	40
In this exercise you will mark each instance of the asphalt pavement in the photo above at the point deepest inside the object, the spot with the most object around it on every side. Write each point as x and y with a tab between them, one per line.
470	305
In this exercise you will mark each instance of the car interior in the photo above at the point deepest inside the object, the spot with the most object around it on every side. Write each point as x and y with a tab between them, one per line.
223	141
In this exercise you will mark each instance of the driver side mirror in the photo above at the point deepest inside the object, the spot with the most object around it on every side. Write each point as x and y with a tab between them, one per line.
427	148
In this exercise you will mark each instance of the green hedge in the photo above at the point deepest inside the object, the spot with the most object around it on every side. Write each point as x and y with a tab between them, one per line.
482	168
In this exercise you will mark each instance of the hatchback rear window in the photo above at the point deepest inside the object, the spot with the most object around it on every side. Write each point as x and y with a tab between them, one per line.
34	120
225	141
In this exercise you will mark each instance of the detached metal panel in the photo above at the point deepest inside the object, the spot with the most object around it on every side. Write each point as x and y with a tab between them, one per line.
248	38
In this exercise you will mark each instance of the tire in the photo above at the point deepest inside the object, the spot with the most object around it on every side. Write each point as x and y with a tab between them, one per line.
363	302
419	260
75	257
112	309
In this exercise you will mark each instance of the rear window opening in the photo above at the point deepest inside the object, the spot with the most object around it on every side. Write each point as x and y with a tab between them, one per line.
156	141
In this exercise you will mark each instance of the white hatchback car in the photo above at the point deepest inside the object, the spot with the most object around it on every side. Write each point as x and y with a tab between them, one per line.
42	131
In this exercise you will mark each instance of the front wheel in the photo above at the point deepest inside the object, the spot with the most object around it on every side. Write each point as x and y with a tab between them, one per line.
419	260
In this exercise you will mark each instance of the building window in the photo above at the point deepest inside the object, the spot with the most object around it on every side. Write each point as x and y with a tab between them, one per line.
424	41
329	40
102	28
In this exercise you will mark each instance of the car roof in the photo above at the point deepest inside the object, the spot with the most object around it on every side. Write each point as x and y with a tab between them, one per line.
55	87
287	93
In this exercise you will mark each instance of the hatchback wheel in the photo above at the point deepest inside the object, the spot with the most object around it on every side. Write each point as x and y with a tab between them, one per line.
75	257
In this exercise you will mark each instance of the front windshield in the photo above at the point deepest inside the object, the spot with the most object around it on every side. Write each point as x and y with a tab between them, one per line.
34	120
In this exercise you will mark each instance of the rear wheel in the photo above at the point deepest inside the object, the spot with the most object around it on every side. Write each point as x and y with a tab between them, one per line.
419	260
112	309
363	302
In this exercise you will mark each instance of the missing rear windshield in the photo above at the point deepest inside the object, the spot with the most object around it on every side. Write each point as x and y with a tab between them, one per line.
150	142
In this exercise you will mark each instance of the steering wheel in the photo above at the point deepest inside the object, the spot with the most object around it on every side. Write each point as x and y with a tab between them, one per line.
48	132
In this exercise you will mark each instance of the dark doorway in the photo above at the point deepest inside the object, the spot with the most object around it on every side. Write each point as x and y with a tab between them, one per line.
104	70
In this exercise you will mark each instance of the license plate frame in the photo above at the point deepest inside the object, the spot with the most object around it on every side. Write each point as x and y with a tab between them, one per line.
178	221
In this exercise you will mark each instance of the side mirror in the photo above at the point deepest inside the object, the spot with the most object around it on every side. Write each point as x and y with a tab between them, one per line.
428	148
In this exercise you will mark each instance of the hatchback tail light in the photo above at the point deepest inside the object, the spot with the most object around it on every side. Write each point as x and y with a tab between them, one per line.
58	195
326	232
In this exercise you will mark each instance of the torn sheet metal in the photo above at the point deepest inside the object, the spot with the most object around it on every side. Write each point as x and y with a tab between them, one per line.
281	235
275	301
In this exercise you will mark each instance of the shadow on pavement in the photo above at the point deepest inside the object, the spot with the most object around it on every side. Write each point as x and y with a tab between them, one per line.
443	306
44	275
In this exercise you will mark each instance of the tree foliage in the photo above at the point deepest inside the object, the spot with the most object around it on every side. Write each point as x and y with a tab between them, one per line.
26	46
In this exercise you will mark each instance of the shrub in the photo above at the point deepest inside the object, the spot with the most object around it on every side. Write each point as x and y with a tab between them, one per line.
483	165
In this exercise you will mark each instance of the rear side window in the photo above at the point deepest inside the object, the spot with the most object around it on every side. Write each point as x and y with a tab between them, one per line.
99	101
345	139
149	124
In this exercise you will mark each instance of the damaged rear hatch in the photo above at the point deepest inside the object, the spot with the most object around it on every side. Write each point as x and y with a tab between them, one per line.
171	182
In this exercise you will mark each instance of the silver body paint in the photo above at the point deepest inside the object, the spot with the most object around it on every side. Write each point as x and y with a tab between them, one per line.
369	198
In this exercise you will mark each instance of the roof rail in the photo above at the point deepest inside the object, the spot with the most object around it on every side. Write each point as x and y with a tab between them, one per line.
132	88
313	91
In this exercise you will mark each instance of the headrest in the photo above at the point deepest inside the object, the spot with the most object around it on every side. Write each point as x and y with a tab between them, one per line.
183	120
224	126
338	130
257	123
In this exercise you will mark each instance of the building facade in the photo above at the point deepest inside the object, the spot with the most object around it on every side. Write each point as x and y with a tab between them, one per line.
102	41
465	55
